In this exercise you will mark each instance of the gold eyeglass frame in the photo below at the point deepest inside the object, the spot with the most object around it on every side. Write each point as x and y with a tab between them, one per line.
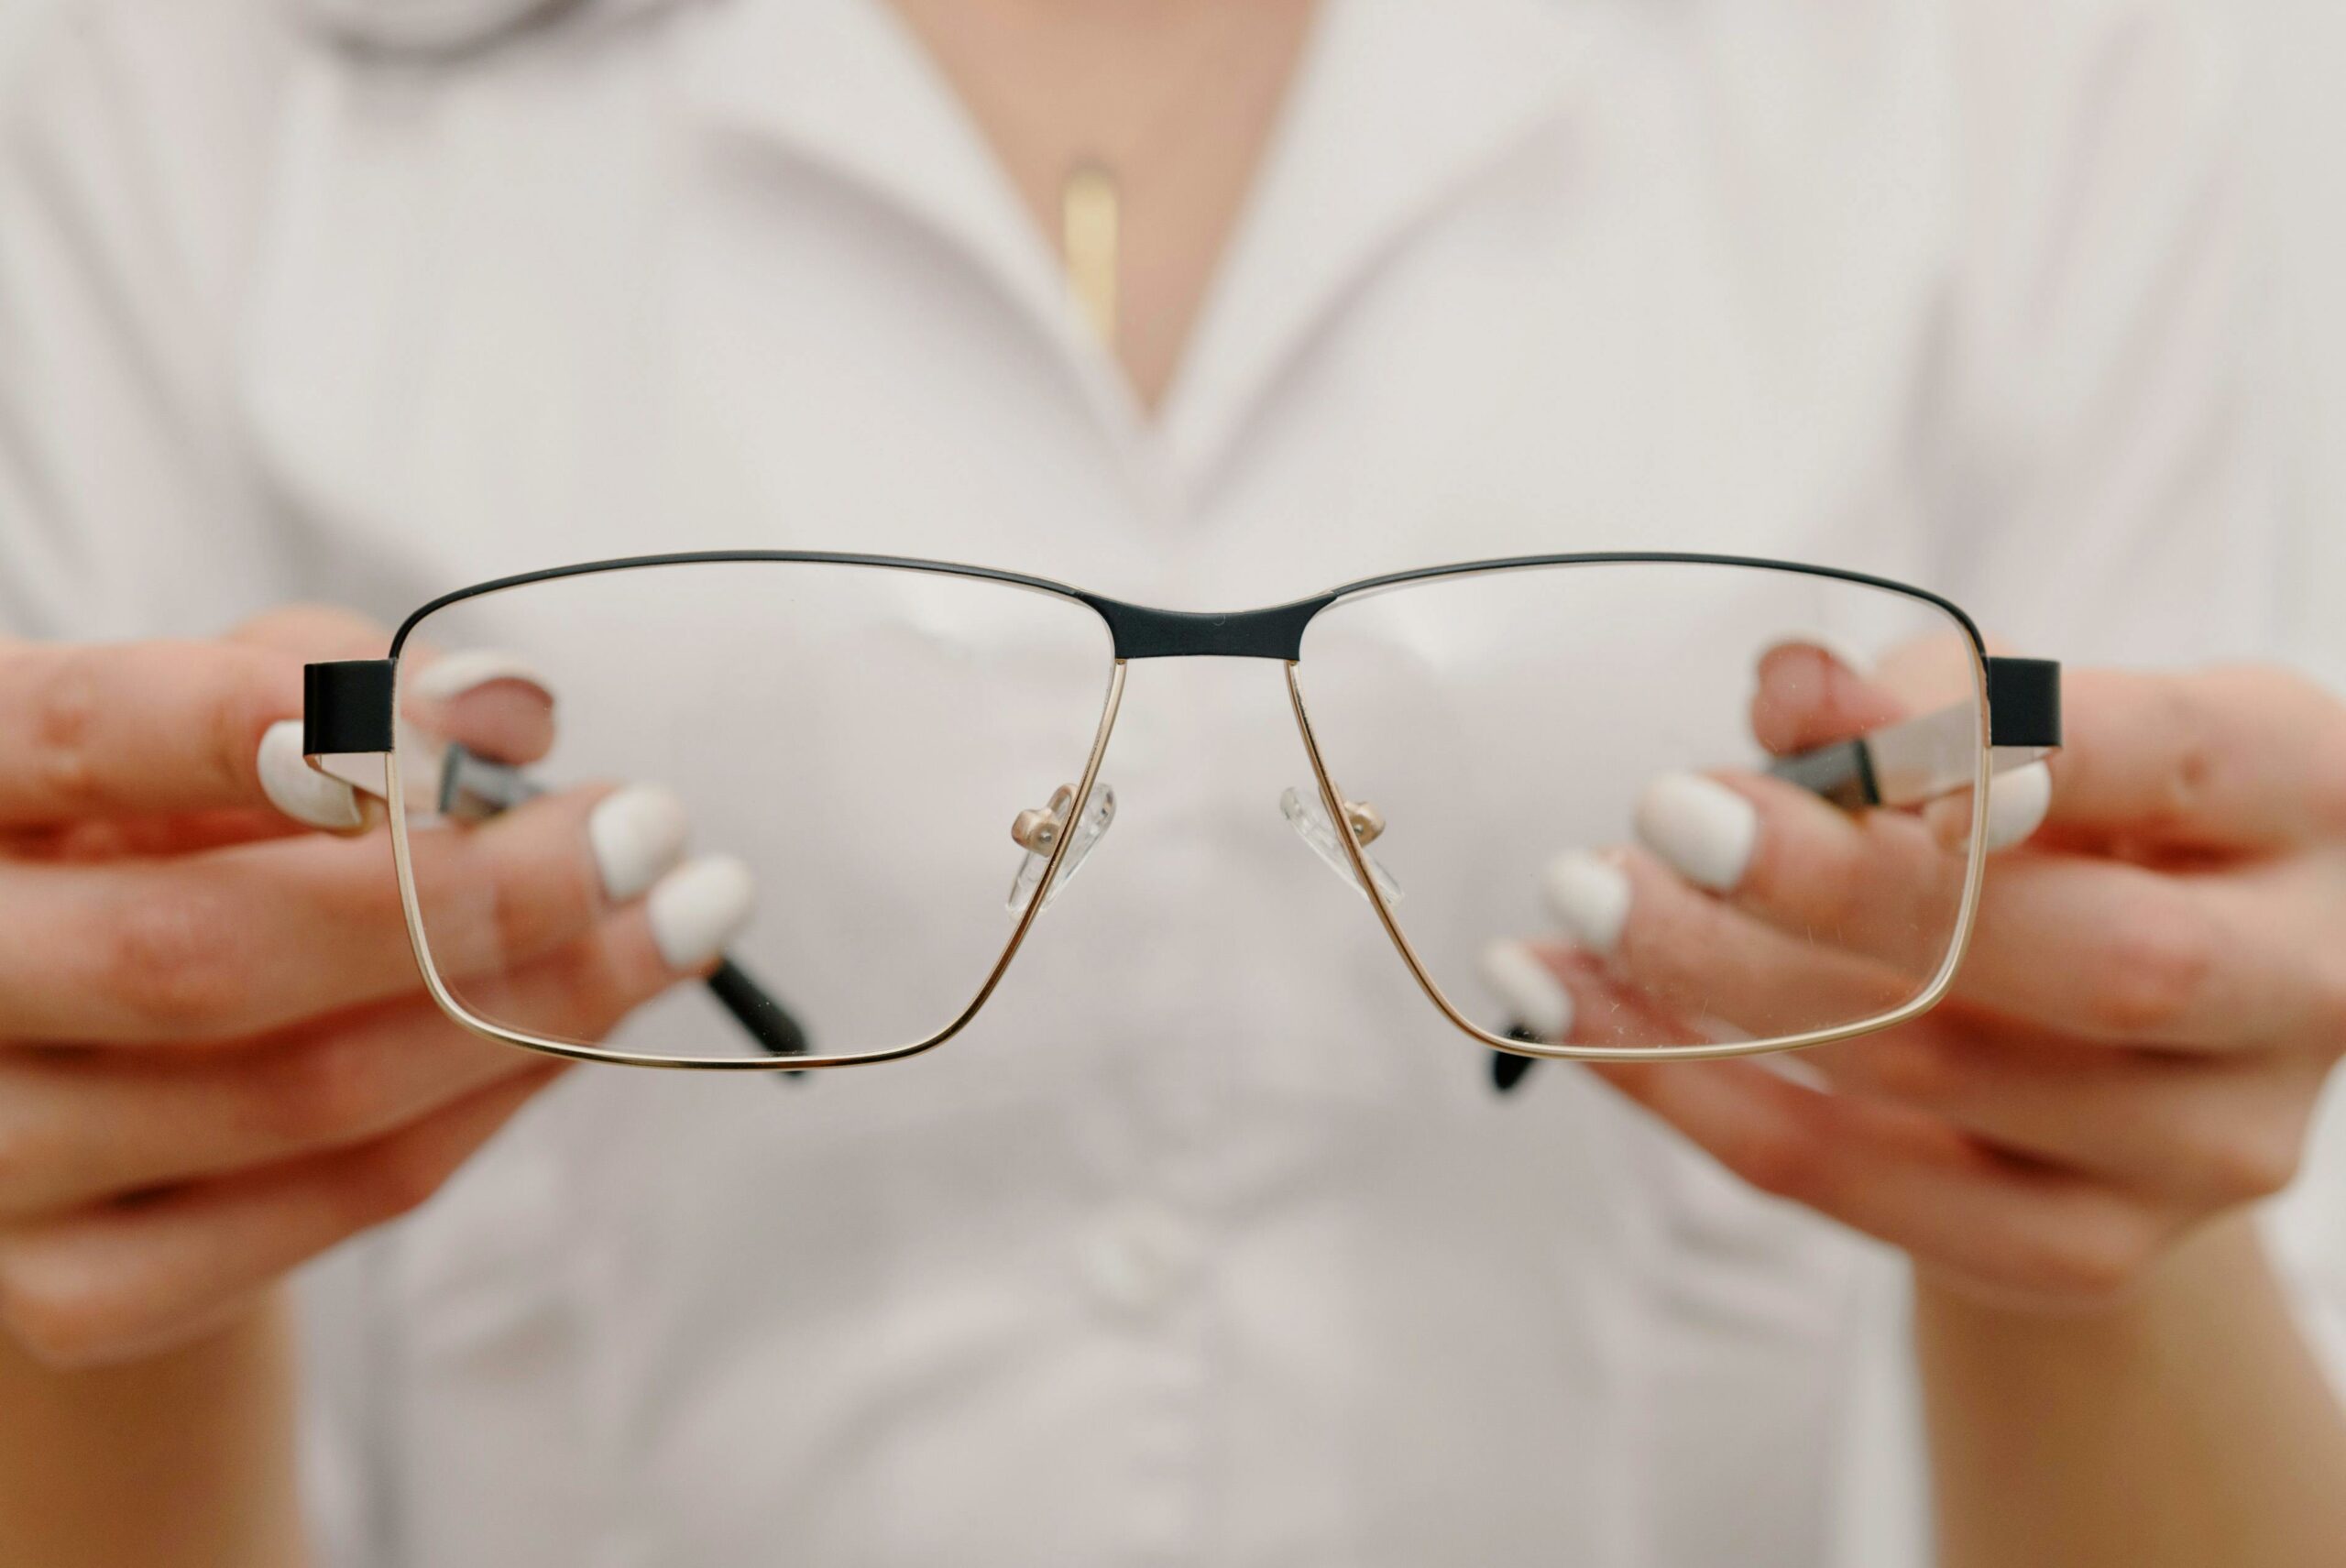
350	706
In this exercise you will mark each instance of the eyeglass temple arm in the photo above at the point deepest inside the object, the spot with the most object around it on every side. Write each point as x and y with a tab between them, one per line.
1919	759
347	712
1905	763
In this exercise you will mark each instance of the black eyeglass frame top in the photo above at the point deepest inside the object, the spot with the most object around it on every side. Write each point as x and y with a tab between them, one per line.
349	703
349	708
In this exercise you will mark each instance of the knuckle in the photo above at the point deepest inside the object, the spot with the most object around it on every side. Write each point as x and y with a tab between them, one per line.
1825	878
390	1180
2090	1265
600	981
2195	758
2328	1016
2252	1163
1916	1068
2157	960
25	1155
64	1320
1663	943
251	688
360	890
2326	787
1776	1157
320	1091
534	899
65	707
178	956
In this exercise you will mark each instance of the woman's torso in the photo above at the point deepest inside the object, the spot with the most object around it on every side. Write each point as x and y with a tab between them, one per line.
1209	1243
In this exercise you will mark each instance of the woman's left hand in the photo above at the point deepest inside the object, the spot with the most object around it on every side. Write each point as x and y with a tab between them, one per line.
2154	996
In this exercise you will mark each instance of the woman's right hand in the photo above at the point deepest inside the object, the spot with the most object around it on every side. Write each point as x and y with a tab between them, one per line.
216	1057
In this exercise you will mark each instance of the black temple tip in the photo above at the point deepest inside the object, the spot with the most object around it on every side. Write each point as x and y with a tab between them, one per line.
1507	1070
769	1022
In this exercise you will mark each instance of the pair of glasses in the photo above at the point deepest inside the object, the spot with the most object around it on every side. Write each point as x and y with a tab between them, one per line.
912	757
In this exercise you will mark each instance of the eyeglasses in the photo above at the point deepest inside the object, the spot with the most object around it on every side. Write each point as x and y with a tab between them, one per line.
909	756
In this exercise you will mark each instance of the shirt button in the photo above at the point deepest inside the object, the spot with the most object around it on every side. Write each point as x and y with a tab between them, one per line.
1140	1257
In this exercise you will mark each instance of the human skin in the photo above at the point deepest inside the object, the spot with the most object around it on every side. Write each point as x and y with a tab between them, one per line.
216	1061
2067	1147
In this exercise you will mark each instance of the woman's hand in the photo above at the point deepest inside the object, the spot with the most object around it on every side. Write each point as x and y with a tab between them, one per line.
216	1059
2154	996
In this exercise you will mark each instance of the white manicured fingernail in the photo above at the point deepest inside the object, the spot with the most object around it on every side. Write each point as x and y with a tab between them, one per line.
1535	998
1700	826
698	907
453	674
636	833
1842	650
2016	805
301	791
1589	897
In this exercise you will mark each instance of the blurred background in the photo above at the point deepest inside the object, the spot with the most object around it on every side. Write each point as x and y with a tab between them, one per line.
2294	49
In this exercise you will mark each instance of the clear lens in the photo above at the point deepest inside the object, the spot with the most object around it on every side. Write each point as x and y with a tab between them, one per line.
1580	757
858	741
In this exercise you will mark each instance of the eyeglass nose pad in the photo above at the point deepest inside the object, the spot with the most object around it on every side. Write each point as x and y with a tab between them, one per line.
1036	831
1310	823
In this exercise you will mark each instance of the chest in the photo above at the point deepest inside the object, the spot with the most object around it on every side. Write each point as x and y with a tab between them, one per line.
513	321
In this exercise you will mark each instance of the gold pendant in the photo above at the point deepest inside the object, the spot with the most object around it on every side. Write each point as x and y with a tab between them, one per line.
1089	216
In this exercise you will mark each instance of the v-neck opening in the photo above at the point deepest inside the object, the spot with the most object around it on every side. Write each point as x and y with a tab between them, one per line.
1387	105
996	144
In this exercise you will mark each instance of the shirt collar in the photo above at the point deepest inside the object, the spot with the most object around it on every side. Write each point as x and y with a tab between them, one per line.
1396	105
844	87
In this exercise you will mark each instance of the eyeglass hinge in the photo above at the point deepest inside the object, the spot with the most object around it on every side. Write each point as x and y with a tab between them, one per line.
346	706
2024	702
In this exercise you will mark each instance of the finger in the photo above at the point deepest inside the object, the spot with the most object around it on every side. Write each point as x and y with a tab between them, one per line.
2110	950
88	1125
1697	954
1877	884
2193	1129
2013	1229
244	940
181	833
496	704
2238	758
1561	995
314	632
2084	945
1807	696
130	1280
146	726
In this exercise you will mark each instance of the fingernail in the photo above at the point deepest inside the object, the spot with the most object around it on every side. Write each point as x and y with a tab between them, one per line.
1699	826
453	674
1589	897
2016	805
636	833
1535	998
298	789
698	907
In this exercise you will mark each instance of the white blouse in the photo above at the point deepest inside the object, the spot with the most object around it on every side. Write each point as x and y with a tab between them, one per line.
1208	1244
